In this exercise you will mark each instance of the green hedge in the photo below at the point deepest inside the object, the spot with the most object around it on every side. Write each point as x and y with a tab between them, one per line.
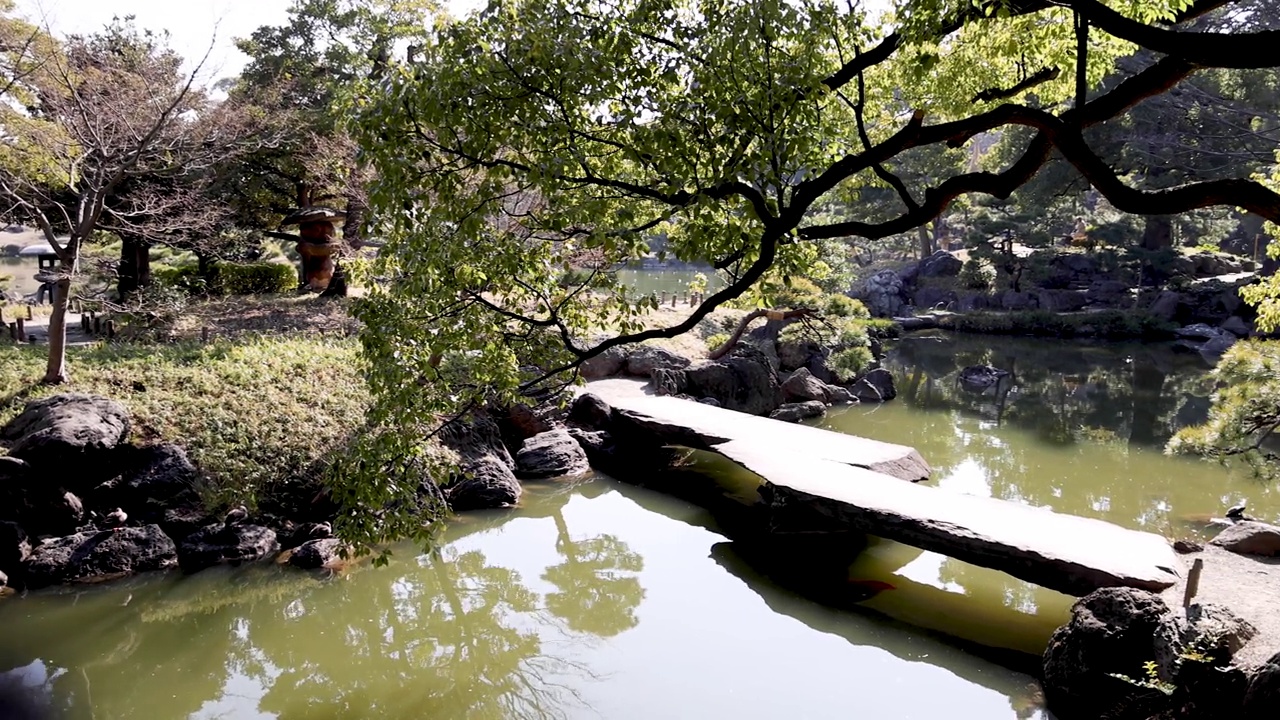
263	278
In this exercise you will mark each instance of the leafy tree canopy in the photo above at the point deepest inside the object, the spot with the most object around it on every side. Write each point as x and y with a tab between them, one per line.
543	135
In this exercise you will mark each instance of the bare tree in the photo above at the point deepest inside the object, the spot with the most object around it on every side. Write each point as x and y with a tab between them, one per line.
111	140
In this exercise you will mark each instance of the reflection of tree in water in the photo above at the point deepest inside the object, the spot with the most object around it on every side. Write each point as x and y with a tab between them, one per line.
445	641
594	596
1081	431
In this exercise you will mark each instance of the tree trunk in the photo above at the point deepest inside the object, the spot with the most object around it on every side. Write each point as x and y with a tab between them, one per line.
926	242
1158	233
56	371
135	266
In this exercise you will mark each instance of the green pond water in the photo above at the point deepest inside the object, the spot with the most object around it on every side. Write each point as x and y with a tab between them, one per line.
602	599
21	272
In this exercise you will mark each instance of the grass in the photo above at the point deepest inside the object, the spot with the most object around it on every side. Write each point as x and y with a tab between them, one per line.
255	413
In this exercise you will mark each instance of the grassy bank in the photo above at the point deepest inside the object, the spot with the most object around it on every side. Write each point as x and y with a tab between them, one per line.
252	411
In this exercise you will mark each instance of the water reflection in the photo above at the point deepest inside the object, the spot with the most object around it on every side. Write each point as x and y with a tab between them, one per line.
597	600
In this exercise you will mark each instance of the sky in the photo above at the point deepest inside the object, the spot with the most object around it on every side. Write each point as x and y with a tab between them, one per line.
192	24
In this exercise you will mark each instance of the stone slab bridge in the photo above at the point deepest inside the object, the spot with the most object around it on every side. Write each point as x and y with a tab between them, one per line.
872	486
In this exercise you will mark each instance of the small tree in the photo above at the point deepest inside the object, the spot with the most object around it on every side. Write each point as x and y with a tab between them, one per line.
108	129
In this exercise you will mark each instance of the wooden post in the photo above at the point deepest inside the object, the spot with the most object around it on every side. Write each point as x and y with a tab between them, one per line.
673	299
97	324
22	330
664	297
1193	582
84	324
13	331
29	317
204	334
111	329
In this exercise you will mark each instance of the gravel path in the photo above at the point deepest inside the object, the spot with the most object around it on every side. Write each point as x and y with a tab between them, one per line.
1249	586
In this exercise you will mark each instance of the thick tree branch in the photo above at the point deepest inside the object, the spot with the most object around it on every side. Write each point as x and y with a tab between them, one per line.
1224	50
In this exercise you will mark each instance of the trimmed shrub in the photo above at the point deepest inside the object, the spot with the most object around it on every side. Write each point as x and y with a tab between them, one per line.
843	306
262	278
851	362
854	334
977	274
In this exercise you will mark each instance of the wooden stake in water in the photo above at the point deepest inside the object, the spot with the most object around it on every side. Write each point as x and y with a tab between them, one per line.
1193	582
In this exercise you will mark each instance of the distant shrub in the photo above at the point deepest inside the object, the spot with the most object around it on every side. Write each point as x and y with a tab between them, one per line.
977	274
851	362
882	328
843	306
801	292
263	278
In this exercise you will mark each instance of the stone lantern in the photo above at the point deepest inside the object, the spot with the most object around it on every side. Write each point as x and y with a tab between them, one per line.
317	243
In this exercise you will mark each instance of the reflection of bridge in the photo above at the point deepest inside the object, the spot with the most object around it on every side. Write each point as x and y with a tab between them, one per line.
861	482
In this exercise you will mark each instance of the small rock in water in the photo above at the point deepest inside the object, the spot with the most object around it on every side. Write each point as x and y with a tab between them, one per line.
1186	547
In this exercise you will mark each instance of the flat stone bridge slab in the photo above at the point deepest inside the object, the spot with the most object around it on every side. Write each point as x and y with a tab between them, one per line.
860	482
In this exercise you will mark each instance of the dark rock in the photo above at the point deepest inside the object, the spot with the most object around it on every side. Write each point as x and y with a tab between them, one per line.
484	484
801	386
1197	331
551	454
180	522
1213	348
317	554
304	533
590	411
609	363
1208	690
1166	305
874	386
74	433
1014	300
882	293
795	412
159	474
744	381
1262	697
940	264
15	548
1060	300
1216	630
1186	547
980	379
645	359
935	298
1109	293
521	421
1237	326
837	395
1250	538
971	301
219	544
1113	631
102	555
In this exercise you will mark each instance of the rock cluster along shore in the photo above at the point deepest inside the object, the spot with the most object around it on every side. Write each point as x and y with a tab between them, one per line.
1126	654
70	466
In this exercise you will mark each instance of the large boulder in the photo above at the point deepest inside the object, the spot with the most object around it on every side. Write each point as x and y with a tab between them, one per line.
324	553
1061	300
875	386
609	363
646	358
801	386
1237	326
551	454
1250	538
101	555
1198	331
590	411
744	381
1166	305
156	475
795	412
485	477
1262	698
882	293
74	433
1216	630
940	264
1110	293
1014	300
219	544
1113	631
935	298
485	483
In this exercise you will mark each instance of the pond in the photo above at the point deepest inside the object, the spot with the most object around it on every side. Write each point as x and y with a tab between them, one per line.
21	273
602	599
